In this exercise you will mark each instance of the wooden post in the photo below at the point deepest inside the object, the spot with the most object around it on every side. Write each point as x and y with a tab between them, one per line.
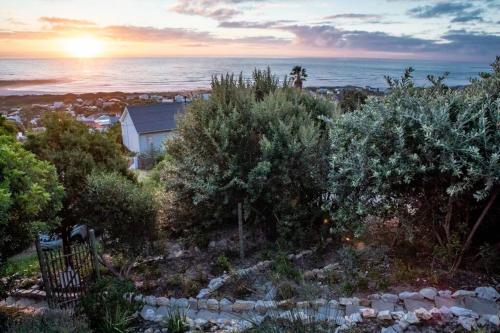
93	250
45	275
240	229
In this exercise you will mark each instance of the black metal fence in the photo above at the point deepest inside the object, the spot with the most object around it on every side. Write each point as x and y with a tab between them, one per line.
67	276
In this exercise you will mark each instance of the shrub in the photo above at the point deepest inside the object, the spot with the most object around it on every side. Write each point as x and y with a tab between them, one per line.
124	211
176	321
352	100
253	143
105	306
51	322
428	157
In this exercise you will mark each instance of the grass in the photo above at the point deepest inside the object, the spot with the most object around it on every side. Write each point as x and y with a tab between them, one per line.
25	265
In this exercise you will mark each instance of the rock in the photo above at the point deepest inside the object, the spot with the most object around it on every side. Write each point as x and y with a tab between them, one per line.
200	322
428	293
397	315
423	314
355	318
262	306
384	315
368	313
271	294
445	312
494	319
225	305
138	298
381	305
462	293
376	296
488	293
351	308
203	293
24	302
240	306
150	300
149	330
213	304
392	298
180	303
413	304
403	324
392	329
410	295
302	305
444	293
461	312
333	303
202	304
162	301
345	301
467	323
445	301
318	302
148	313
193	303
481	306
215	284
411	318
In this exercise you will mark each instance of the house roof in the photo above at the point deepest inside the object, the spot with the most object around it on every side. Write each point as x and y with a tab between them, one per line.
155	117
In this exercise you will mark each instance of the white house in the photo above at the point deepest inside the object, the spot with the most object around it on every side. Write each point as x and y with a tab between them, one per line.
149	126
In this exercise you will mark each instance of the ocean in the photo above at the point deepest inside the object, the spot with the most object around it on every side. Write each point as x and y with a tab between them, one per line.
189	73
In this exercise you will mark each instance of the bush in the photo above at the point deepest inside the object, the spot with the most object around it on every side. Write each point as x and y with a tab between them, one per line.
176	321
105	306
428	157
52	322
124	211
352	100
253	143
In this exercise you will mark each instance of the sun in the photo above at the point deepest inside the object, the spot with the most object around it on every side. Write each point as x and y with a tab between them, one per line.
83	47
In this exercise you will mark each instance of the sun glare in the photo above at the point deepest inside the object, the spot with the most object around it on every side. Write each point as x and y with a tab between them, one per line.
83	47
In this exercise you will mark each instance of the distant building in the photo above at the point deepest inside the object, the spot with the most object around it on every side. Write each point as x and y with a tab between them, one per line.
106	121
149	126
144	96
205	96
179	99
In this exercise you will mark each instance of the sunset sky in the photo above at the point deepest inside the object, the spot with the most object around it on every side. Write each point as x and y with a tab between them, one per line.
427	29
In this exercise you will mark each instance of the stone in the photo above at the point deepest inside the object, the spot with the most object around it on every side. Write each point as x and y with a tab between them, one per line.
461	312
392	329
302	305
263	306
368	313
148	313
318	302
384	315
494	319
200	322
380	305
240	306
462	293
162	311
411	318
392	298
445	301
423	314
225	305
345	301
180	302
215	284
398	315
410	295
351	308
403	324
193	303
467	323
444	293
163	301
488	293
213	304
428	293
150	300
138	298
202	304
203	293
445	312
376	296
413	304
271	294
333	303
25	302
149	330
480	306
355	318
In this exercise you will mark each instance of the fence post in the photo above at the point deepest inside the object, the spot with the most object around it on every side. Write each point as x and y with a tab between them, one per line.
93	250
45	276
240	229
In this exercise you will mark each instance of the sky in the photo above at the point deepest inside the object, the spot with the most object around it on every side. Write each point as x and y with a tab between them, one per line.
407	29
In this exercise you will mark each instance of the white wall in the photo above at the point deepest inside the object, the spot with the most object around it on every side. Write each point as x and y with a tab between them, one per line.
156	139
130	136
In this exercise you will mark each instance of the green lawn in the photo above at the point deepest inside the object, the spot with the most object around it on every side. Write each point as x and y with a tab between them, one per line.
25	264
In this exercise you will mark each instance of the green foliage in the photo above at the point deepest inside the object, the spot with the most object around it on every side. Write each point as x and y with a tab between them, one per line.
284	267
429	157
223	263
25	266
7	127
30	196
76	152
296	321
352	100
254	143
176	321
105	307
123	210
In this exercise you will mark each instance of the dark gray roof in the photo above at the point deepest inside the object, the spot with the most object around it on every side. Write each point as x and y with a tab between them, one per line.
155	117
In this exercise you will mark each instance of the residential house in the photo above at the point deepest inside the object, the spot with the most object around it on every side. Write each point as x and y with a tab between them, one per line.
148	126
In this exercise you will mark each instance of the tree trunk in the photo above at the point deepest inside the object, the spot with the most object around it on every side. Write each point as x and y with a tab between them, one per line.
468	242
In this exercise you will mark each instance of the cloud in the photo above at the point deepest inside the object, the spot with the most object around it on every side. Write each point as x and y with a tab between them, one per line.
205	8
353	16
65	21
461	11
253	25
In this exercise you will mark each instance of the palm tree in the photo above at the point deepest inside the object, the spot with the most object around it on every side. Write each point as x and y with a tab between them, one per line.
299	76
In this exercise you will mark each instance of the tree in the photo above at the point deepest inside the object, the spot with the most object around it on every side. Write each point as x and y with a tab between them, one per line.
299	76
76	152
265	148
429	156
30	196
125	213
352	100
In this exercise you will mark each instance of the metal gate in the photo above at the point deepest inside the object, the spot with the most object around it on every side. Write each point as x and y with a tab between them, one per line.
66	277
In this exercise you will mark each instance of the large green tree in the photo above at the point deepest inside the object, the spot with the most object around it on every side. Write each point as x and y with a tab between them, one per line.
255	143
75	151
30	196
429	156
